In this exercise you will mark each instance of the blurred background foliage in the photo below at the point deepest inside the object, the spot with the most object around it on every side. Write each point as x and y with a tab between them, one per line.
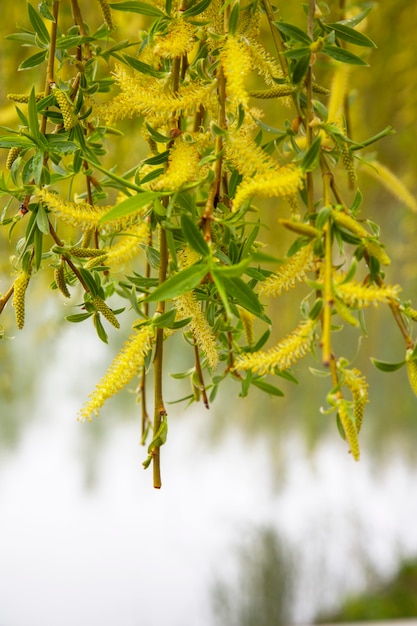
382	94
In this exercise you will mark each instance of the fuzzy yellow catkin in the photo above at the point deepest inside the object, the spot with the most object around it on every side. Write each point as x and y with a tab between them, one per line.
236	63
67	109
286	276
85	253
102	308
338	93
288	351
280	182
247	319
188	305
411	364
300	228
20	285
125	366
357	295
358	386
12	156
349	428
391	182
59	275
177	41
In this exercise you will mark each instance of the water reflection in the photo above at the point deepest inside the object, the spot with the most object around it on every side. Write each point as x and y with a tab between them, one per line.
120	552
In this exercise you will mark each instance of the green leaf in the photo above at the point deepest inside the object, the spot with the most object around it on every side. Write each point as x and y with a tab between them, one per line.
233	271
385	366
165	320
184	281
33	61
300	69
311	157
78	317
37	244
44	10
158	159
197	8
38	26
354	21
100	328
143	8
140	66
241	292
15	141
351	35
293	32
344	56
194	236
271	389
130	205
158	137
42	221
234	18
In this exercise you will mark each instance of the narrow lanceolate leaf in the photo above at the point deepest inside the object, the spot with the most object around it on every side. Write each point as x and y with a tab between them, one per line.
194	236
351	35
241	292
144	8
129	206
311	157
33	61
386	366
178	284
38	26
344	56
293	32
197	8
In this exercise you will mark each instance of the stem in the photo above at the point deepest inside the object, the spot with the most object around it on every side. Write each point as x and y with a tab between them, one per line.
4	299
327	355
200	375
159	408
51	60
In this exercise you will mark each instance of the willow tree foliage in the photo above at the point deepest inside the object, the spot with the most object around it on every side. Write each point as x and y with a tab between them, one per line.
180	235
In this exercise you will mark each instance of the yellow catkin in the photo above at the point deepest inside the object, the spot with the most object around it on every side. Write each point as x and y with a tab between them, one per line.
286	276
236	63
12	156
349	428
177	41
338	93
144	95
349	164
84	216
123	369
124	250
275	92
59	275
357	295
391	182
105	9
245	154
182	167
248	324
288	351
344	312
20	285
85	253
358	386
188	305
350	223
411	364
24	98
281	182
106	311
376	250
301	228
67	109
